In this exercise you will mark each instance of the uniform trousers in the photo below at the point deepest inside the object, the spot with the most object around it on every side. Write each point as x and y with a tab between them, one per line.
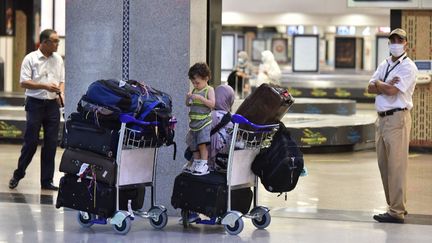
392	147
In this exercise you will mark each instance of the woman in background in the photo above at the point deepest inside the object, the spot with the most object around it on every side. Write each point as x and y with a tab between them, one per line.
269	71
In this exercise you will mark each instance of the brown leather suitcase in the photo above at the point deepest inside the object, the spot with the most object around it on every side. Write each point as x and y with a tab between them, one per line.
267	105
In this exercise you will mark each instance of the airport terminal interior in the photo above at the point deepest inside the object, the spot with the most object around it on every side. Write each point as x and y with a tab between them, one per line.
326	52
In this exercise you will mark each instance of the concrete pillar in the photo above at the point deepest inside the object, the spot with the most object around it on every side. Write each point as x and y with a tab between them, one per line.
154	41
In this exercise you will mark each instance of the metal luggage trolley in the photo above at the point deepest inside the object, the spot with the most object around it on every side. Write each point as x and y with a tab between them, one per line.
245	145
136	164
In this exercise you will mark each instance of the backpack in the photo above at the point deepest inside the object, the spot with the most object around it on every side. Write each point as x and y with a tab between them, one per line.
117	96
156	106
280	165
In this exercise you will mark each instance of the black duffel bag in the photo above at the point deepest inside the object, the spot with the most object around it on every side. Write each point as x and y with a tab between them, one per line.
280	165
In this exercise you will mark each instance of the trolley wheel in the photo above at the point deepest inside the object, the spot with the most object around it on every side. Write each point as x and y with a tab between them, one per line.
263	222
85	219
124	227
161	222
236	229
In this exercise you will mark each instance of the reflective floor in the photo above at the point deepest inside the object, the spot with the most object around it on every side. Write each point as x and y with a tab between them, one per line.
334	203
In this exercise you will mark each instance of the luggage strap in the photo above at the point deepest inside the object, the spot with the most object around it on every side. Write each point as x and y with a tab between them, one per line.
286	197
149	109
90	170
225	120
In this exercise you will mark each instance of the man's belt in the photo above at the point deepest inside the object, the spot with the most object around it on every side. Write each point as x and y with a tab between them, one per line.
390	112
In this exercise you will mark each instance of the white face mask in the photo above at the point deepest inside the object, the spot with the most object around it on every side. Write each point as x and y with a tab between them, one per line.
397	49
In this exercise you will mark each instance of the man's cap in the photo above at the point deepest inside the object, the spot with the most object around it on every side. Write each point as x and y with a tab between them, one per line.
400	32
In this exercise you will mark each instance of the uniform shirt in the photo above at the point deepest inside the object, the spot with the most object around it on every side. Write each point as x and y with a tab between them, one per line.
42	69
406	70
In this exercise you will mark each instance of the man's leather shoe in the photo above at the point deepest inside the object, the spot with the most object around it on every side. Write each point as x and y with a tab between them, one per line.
13	183
50	187
387	218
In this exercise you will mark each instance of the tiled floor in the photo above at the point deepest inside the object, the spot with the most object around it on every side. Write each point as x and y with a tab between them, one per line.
334	203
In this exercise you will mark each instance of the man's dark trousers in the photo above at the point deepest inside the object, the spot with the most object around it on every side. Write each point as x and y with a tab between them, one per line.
46	114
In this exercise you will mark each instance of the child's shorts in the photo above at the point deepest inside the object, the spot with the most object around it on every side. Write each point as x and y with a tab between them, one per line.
195	138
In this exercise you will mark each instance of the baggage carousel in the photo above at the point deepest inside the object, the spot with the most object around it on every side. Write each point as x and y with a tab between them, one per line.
13	118
330	130
12	124
335	85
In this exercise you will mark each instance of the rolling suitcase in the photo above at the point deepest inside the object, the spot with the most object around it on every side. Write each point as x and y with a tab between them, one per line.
135	193
76	162
84	134
241	200
267	105
81	194
202	194
207	194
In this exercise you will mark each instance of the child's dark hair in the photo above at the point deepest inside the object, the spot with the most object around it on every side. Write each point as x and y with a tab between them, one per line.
201	69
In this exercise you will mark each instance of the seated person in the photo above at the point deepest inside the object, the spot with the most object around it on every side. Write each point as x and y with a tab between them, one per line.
220	139
241	74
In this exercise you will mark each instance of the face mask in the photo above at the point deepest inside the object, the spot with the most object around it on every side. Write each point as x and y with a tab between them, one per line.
241	61
396	49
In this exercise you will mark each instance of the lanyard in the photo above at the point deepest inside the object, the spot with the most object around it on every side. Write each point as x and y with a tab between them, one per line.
391	69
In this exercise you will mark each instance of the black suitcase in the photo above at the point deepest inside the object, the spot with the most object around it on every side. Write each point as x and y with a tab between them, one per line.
202	194
104	168
80	194
135	193
208	194
241	200
266	105
84	134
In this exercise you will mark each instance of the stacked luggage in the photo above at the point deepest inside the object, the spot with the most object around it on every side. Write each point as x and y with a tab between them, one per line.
279	165
109	120
255	123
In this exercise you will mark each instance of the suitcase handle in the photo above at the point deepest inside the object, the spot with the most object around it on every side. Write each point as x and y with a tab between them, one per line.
283	93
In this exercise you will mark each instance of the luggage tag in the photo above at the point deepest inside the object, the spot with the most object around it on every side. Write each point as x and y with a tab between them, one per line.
122	83
81	171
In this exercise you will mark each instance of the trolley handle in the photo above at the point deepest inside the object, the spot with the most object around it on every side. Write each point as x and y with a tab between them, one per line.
236	118
125	118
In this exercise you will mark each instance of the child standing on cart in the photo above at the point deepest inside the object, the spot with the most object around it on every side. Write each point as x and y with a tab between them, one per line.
201	101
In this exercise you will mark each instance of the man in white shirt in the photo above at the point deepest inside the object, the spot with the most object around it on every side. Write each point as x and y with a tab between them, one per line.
394	83
42	74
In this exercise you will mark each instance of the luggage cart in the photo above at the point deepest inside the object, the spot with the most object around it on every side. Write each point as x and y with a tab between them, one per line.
245	145
136	164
